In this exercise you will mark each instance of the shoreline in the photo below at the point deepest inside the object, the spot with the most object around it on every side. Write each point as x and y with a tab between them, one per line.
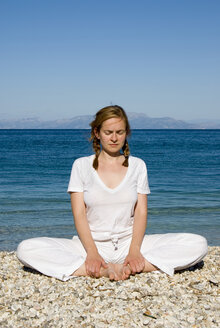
188	299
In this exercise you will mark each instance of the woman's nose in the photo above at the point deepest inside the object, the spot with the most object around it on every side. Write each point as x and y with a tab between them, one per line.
114	136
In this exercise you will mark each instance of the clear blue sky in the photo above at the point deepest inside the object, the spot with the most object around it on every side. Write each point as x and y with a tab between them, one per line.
64	58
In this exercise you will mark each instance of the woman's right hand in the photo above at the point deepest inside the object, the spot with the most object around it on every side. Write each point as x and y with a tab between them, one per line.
93	264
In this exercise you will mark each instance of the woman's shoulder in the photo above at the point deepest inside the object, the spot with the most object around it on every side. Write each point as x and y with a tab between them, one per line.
83	161
136	161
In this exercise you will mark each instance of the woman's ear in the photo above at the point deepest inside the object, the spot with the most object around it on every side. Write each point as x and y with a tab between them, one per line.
96	133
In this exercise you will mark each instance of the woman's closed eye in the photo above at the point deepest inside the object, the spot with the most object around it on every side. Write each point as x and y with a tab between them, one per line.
121	132
108	132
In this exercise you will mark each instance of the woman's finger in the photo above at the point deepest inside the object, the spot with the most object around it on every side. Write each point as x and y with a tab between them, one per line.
90	269
104	264
140	265
136	266
97	270
133	267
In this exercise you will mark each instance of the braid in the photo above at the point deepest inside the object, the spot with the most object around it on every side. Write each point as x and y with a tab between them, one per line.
97	149
126	152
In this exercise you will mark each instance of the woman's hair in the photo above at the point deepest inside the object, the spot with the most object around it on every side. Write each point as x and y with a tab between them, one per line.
101	116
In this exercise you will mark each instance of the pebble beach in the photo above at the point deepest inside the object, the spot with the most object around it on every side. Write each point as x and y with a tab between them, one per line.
190	298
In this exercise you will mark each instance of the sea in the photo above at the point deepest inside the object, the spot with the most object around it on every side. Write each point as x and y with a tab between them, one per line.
183	171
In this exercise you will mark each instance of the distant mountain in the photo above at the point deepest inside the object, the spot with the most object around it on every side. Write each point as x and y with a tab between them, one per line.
142	121
137	121
78	122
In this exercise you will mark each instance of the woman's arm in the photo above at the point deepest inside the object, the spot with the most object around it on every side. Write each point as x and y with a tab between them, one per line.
93	261
134	258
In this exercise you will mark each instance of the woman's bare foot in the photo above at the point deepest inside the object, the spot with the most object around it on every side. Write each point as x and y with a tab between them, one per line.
81	271
149	267
114	271
126	272
118	271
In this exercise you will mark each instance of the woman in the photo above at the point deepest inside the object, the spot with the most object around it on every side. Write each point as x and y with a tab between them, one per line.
109	202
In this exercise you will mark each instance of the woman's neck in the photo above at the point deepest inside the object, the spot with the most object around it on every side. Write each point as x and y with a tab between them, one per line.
106	157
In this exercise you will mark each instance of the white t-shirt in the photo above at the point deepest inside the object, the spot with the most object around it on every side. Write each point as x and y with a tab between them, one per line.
110	212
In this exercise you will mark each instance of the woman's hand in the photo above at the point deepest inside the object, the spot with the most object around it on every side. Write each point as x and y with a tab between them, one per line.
135	260
93	264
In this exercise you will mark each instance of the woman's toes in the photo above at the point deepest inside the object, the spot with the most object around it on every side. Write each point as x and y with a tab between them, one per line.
111	271
118	271
126	272
111	275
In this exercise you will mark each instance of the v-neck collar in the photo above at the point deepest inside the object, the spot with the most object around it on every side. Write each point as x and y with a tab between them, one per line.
112	190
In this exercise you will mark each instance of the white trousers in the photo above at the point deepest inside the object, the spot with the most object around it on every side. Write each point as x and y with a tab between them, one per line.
60	257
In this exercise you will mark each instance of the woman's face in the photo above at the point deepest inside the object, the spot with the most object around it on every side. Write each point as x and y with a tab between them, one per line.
112	135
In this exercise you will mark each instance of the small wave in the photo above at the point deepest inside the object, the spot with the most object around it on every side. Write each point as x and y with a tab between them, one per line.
33	212
183	210
40	229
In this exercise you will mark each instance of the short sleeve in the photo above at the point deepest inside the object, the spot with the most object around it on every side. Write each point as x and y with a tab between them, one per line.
76	182
142	183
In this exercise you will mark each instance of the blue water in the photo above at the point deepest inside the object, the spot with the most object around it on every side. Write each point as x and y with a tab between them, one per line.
183	168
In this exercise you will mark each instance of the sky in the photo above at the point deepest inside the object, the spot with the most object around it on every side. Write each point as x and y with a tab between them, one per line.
61	59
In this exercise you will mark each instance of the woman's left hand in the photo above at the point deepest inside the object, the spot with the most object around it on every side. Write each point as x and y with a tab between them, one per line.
135	260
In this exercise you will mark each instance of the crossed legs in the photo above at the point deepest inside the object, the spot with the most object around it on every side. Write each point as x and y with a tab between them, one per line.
61	258
114	271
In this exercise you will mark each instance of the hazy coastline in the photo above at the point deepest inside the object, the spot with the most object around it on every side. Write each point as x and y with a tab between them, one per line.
137	121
